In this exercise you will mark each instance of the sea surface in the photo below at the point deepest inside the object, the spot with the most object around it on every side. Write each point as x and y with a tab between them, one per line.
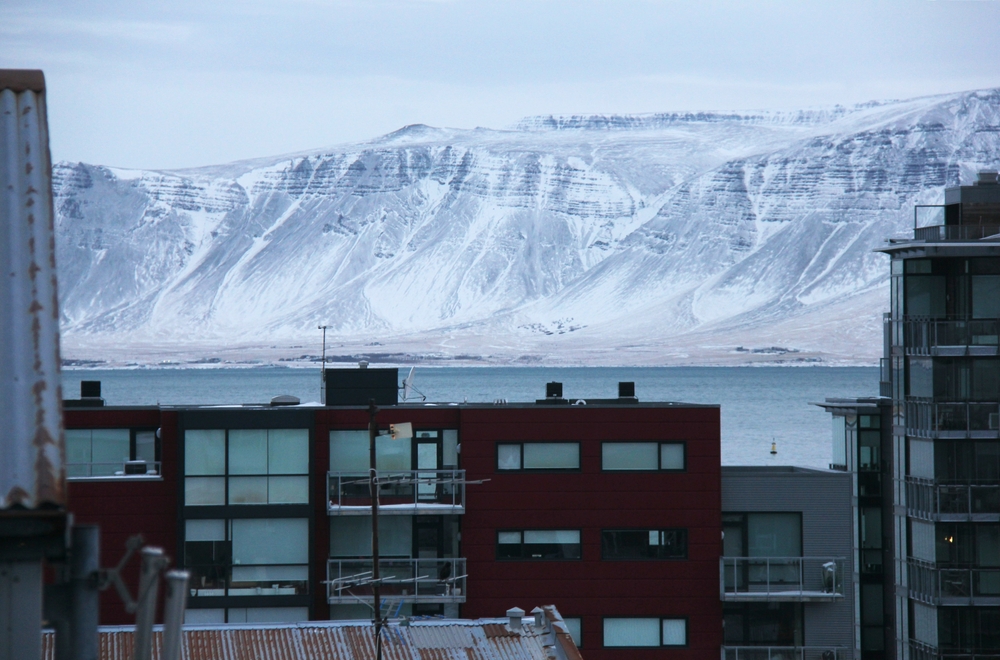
760	405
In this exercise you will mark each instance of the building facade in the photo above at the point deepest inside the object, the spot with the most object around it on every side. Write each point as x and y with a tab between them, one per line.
939	425
787	563
609	509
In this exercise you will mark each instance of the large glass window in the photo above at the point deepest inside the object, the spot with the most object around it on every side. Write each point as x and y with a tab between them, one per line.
762	624
247	556
640	544
644	632
640	456
110	452
925	294
986	296
351	536
264	466
539	544
350	452
538	456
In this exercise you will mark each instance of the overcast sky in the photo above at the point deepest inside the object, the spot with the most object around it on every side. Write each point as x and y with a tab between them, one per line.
197	82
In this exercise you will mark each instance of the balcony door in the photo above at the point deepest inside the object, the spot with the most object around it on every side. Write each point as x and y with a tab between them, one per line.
427	456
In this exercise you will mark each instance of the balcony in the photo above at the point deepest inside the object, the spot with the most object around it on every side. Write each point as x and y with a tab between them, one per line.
138	470
789	579
921	651
413	492
928	418
951	338
953	586
951	502
400	580
786	653
935	233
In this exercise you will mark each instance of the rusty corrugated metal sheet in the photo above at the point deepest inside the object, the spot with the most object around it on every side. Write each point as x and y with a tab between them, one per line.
31	443
444	640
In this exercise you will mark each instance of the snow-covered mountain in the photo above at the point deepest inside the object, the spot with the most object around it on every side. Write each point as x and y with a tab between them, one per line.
650	239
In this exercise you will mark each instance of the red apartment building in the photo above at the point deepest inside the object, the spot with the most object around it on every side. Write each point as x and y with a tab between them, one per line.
610	509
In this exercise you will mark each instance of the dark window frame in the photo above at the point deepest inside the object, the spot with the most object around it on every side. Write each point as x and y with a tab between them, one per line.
524	556
659	456
499	470
661	530
661	619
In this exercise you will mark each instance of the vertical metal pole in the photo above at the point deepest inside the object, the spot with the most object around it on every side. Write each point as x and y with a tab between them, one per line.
20	609
373	488
153	562
173	615
322	369
84	594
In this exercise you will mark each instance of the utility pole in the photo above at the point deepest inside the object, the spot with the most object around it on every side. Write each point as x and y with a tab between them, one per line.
373	487
322	369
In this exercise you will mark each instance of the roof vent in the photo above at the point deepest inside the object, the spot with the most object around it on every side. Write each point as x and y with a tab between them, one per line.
363	364
626	390
539	617
515	614
285	400
90	389
553	390
987	178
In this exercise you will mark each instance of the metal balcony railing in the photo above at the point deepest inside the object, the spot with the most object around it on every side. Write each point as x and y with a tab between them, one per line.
953	586
401	580
801	579
785	653
926	416
921	651
924	336
401	492
955	232
930	500
118	469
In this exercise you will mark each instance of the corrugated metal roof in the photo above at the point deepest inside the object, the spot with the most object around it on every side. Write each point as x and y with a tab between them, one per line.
31	445
345	640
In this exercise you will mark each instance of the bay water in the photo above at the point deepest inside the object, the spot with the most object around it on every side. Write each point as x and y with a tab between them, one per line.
759	405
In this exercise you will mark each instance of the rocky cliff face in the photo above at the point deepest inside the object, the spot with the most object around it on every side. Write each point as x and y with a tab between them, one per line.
562	236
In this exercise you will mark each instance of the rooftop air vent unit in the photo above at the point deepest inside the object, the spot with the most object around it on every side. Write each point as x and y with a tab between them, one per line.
626	390
553	390
285	400
987	178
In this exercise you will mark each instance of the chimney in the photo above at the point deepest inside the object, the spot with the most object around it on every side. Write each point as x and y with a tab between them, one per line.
539	617
626	390
515	614
553	390
90	389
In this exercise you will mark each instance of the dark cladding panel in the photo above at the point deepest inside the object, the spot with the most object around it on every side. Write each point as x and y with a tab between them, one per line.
355	387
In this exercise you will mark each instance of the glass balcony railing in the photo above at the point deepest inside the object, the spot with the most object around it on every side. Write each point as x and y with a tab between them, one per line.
952	586
785	653
802	579
119	469
403	492
930	500
928	416
921	336
955	232
921	651
405	580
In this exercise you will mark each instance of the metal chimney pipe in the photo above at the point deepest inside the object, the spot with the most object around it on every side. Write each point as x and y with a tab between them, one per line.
515	615
84	593
173	615
153	562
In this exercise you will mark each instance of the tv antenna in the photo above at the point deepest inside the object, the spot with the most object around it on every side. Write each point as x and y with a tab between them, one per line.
409	389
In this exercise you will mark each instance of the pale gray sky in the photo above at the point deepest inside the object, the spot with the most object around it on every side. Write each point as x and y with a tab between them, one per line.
135	83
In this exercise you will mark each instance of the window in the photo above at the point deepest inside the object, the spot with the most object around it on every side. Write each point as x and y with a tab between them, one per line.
539	544
642	632
643	456
764	624
575	627
538	456
640	544
111	452
349	452
247	556
246	466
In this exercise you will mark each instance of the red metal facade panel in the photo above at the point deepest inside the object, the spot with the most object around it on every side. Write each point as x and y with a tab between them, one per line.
592	500
589	500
